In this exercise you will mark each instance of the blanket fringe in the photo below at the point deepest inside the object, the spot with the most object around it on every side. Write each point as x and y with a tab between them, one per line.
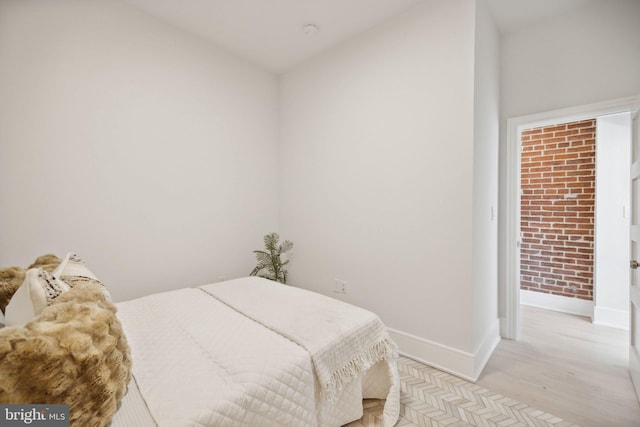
382	350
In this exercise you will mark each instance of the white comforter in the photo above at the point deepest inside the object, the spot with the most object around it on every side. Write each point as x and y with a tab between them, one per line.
197	361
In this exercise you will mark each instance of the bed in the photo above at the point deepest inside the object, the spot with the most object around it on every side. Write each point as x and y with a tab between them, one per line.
252	352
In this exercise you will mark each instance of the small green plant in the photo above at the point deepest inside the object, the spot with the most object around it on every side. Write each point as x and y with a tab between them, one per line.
270	264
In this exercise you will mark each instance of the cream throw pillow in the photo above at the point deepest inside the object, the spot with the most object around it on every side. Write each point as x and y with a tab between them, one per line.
73	270
38	290
73	265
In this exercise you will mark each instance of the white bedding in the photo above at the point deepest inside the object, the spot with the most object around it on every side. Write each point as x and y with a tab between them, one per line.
343	340
199	362
133	411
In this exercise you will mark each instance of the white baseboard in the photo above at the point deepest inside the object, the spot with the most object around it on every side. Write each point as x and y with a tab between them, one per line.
486	349
557	303
460	363
611	317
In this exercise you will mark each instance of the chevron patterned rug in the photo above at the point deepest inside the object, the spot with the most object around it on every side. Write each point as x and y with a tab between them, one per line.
430	397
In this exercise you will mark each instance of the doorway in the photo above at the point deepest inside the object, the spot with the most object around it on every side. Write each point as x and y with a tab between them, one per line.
510	293
557	216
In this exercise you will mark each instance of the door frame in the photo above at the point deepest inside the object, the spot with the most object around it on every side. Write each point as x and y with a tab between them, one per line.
510	322
634	238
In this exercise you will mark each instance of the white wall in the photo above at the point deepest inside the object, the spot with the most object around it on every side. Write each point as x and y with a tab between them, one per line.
587	56
157	153
376	177
613	152
485	185
127	140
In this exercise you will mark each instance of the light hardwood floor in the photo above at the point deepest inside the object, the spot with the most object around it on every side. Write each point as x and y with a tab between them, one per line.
567	366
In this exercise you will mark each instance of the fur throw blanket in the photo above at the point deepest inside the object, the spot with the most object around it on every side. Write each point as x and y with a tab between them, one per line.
73	352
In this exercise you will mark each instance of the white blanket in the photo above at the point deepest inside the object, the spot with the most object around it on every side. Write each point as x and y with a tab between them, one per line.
343	340
199	362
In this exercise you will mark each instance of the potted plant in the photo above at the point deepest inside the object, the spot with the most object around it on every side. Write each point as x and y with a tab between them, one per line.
270	261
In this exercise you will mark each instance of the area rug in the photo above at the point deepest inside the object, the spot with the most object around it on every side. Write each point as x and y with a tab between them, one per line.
430	397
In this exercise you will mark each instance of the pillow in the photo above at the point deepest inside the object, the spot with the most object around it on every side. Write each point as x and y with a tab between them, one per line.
12	277
74	352
73	270
40	288
73	265
37	291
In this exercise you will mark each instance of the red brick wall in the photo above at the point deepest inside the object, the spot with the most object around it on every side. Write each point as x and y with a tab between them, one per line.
557	209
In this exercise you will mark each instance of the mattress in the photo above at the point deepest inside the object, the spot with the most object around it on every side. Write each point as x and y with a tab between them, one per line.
198	361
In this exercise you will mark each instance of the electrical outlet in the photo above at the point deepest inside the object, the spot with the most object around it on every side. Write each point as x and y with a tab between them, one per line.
339	286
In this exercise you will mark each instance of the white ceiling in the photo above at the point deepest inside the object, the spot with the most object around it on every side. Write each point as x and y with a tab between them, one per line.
512	15
269	32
